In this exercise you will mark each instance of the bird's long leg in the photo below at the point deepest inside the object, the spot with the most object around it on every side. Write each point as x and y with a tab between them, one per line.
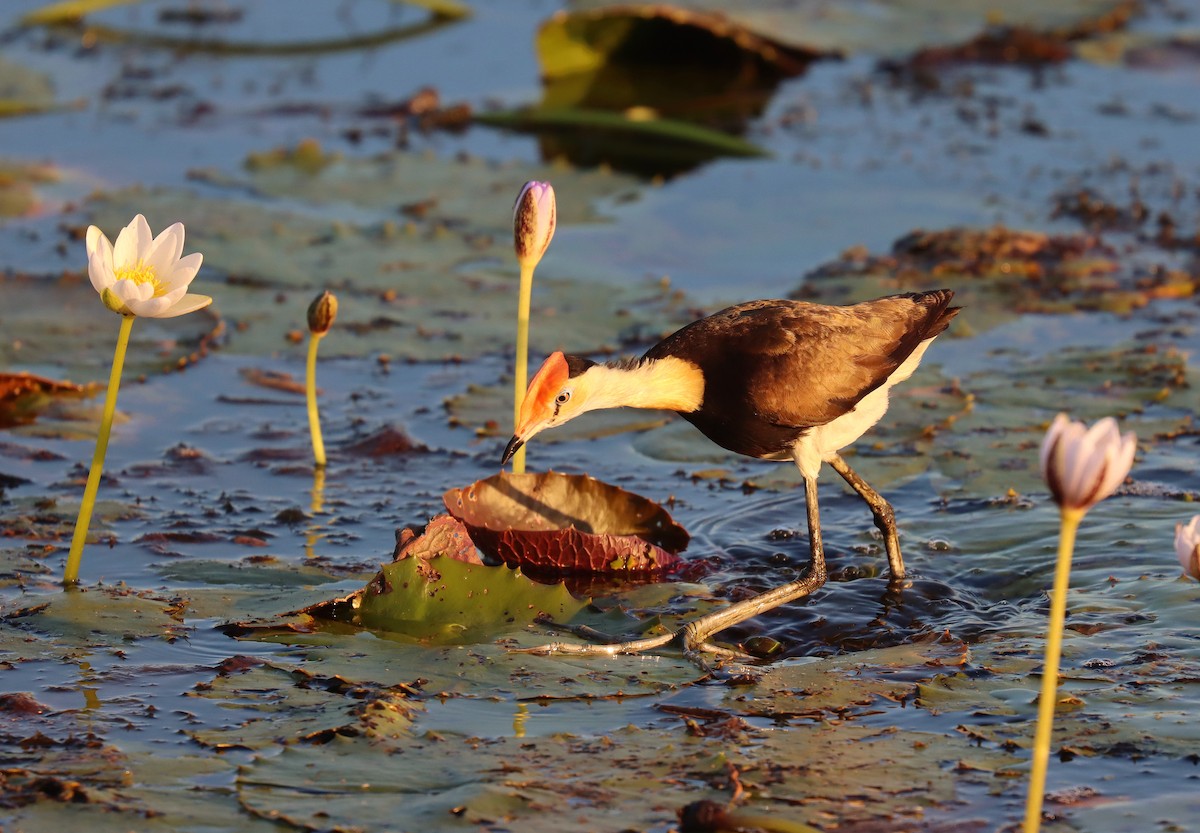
885	516
694	636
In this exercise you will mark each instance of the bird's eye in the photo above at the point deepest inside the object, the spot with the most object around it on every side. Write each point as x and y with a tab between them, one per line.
563	398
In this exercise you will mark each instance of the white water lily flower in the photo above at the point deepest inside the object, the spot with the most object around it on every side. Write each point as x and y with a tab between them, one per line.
1187	546
1081	465
142	274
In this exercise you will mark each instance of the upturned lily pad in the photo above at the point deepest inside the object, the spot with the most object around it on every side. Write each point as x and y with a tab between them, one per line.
22	395
891	27
653	89
567	524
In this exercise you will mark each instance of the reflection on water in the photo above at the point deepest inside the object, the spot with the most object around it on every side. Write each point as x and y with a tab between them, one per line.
214	513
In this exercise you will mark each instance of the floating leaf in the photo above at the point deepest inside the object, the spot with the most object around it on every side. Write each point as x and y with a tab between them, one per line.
61	322
640	141
434	288
448	600
567	523
18	185
625	778
21	91
255	36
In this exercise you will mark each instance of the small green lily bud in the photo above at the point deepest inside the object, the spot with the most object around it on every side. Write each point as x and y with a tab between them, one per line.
321	313
534	219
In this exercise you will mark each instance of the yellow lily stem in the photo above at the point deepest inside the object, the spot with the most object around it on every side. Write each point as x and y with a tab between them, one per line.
310	390
1048	698
521	373
317	507
75	556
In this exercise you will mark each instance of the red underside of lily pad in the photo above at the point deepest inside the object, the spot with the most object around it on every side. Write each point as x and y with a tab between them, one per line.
567	523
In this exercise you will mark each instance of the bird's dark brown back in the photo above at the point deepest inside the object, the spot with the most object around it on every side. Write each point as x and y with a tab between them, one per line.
773	369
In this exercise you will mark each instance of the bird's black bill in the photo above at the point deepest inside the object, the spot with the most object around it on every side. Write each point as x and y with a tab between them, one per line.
511	449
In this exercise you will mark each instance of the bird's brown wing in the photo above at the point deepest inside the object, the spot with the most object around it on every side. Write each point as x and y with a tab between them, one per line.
798	364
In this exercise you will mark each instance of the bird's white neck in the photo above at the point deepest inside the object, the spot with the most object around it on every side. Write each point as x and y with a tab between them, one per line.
668	384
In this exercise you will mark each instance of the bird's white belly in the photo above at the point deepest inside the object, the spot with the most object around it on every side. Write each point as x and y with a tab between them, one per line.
823	441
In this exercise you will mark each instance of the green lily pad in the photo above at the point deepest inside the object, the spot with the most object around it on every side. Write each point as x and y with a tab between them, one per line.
53	522
1151	721
243	32
641	141
18	185
61	323
600	782
434	288
22	91
443	599
282	704
100	616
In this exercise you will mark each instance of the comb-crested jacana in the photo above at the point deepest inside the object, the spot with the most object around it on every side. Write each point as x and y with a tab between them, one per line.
775	379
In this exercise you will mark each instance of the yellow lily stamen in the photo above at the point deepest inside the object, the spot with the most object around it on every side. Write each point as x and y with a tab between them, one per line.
141	273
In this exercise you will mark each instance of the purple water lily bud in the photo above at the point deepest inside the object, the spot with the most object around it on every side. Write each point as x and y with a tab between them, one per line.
1187	546
1081	465
534	219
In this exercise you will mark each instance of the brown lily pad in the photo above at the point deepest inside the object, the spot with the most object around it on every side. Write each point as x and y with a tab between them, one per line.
567	524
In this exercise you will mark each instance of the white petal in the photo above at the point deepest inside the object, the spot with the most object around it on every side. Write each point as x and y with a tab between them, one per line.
186	304
1090	476
100	267
94	236
169	298
1074	459
131	291
164	250
149	308
1187	538
1120	461
130	244
184	271
1185	541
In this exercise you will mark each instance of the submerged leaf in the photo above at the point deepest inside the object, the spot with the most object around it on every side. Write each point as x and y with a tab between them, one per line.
567	523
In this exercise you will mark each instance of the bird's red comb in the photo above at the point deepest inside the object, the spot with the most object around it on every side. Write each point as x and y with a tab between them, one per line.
549	379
